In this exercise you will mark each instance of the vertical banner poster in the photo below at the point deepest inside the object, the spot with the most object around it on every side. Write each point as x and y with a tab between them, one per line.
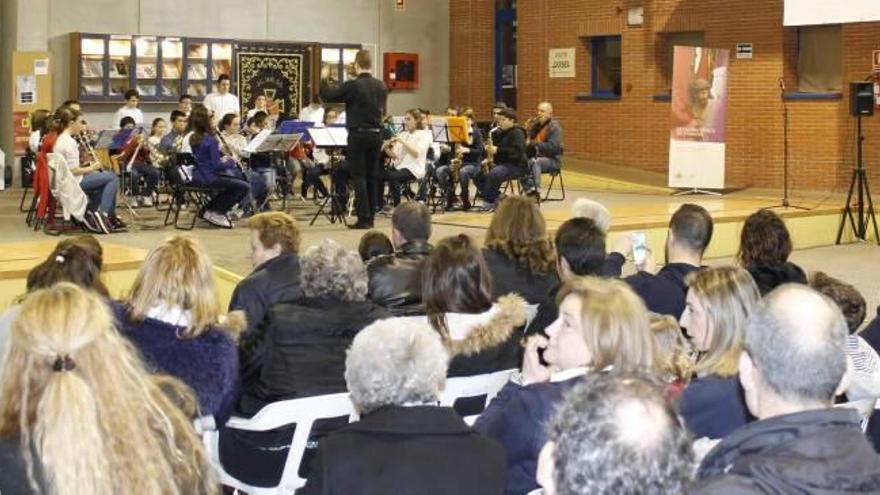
699	112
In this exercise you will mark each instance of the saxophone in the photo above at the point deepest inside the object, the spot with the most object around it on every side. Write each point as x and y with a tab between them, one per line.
489	161
455	163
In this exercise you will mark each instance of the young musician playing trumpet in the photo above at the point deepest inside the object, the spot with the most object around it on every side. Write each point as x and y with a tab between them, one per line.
544	148
408	152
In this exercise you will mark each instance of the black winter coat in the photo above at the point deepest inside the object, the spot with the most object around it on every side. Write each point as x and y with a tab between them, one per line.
510	277
302	348
407	450
273	281
820	452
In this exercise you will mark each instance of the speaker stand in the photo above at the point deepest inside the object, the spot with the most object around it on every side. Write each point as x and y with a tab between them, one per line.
861	217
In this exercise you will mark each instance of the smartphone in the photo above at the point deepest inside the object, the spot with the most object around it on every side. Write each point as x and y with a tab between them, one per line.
640	248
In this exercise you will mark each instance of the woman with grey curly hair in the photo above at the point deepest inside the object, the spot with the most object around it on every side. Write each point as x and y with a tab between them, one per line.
298	350
395	370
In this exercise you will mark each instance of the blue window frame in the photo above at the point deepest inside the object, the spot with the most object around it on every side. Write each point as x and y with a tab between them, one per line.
605	70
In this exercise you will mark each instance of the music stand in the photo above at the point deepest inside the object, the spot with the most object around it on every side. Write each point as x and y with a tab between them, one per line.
330	138
277	145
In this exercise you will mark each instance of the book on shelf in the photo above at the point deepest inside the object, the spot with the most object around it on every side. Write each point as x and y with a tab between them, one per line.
197	71
92	68
169	90
197	89
220	68
92	88
147	89
118	68
146	71
170	71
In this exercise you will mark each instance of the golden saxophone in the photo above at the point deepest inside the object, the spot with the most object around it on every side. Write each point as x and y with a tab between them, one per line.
489	162
455	163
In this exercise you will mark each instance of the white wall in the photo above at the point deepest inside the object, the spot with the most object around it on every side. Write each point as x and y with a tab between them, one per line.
422	28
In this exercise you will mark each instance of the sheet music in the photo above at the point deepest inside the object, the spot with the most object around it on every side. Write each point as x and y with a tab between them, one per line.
439	129
329	136
255	143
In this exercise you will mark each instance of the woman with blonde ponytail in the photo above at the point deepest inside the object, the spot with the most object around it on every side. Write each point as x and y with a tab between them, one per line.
79	414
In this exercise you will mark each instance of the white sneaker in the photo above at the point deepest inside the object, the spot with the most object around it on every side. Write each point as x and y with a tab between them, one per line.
147	201
217	219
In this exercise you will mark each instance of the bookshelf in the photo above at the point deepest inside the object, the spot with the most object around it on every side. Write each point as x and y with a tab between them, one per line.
161	68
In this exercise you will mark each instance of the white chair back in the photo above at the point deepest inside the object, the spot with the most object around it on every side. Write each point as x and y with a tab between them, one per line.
301	412
865	408
474	386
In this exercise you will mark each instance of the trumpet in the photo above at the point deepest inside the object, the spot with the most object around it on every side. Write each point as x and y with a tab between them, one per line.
83	139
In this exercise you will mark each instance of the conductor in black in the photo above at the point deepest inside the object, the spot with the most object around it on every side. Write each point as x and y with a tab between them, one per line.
364	98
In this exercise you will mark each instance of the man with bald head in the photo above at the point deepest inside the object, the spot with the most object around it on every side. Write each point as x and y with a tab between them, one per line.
615	433
544	148
792	365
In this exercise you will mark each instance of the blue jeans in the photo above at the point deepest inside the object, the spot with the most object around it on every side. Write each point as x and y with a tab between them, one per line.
500	173
101	189
544	165
468	172
151	179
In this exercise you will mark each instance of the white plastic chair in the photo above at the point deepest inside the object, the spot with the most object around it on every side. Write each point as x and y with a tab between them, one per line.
301	412
864	407
474	386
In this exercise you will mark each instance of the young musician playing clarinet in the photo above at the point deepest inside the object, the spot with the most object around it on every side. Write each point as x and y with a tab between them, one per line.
212	172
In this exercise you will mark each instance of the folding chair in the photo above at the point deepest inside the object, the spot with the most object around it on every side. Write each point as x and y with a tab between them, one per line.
467	387
300	412
553	176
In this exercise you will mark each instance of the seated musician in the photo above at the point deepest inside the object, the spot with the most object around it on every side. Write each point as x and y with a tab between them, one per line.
234	146
509	154
471	156
408	153
212	172
320	161
261	163
170	143
98	184
545	144
132	156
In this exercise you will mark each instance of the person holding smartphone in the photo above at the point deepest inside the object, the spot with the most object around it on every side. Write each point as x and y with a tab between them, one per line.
690	231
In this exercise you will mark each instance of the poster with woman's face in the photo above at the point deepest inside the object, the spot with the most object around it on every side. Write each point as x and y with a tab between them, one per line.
699	94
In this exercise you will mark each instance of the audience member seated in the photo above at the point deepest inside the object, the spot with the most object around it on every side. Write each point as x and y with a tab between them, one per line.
519	252
580	249
719	301
396	279
594	210
690	231
791	368
862	360
299	348
675	355
213	173
480	336
615	433
77	260
80	414
404	443
374	244
172	317
274	241
764	249
602	326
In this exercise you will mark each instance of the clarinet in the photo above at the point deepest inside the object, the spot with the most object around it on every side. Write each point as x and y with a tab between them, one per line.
232	153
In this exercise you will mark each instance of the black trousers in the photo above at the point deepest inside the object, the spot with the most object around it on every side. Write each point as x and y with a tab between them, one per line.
230	191
363	155
396	180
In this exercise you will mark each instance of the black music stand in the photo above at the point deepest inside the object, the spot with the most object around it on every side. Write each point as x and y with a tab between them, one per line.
331	139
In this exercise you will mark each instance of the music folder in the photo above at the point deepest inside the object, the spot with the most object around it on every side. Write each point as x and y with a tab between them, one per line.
279	143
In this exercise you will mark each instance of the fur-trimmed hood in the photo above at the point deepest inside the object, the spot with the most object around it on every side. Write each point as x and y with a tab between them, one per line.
493	328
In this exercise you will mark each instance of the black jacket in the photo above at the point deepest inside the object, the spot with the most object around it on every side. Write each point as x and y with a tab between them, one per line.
302	349
768	277
407	450
364	98
511	145
551	147
508	276
713	406
663	293
396	279
817	452
272	281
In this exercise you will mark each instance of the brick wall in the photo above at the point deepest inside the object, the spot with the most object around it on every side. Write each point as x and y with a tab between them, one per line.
633	131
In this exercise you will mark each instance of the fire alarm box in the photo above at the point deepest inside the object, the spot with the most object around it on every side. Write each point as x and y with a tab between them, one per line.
401	70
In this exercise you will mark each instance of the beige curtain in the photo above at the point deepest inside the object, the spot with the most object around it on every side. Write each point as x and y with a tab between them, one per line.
819	65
